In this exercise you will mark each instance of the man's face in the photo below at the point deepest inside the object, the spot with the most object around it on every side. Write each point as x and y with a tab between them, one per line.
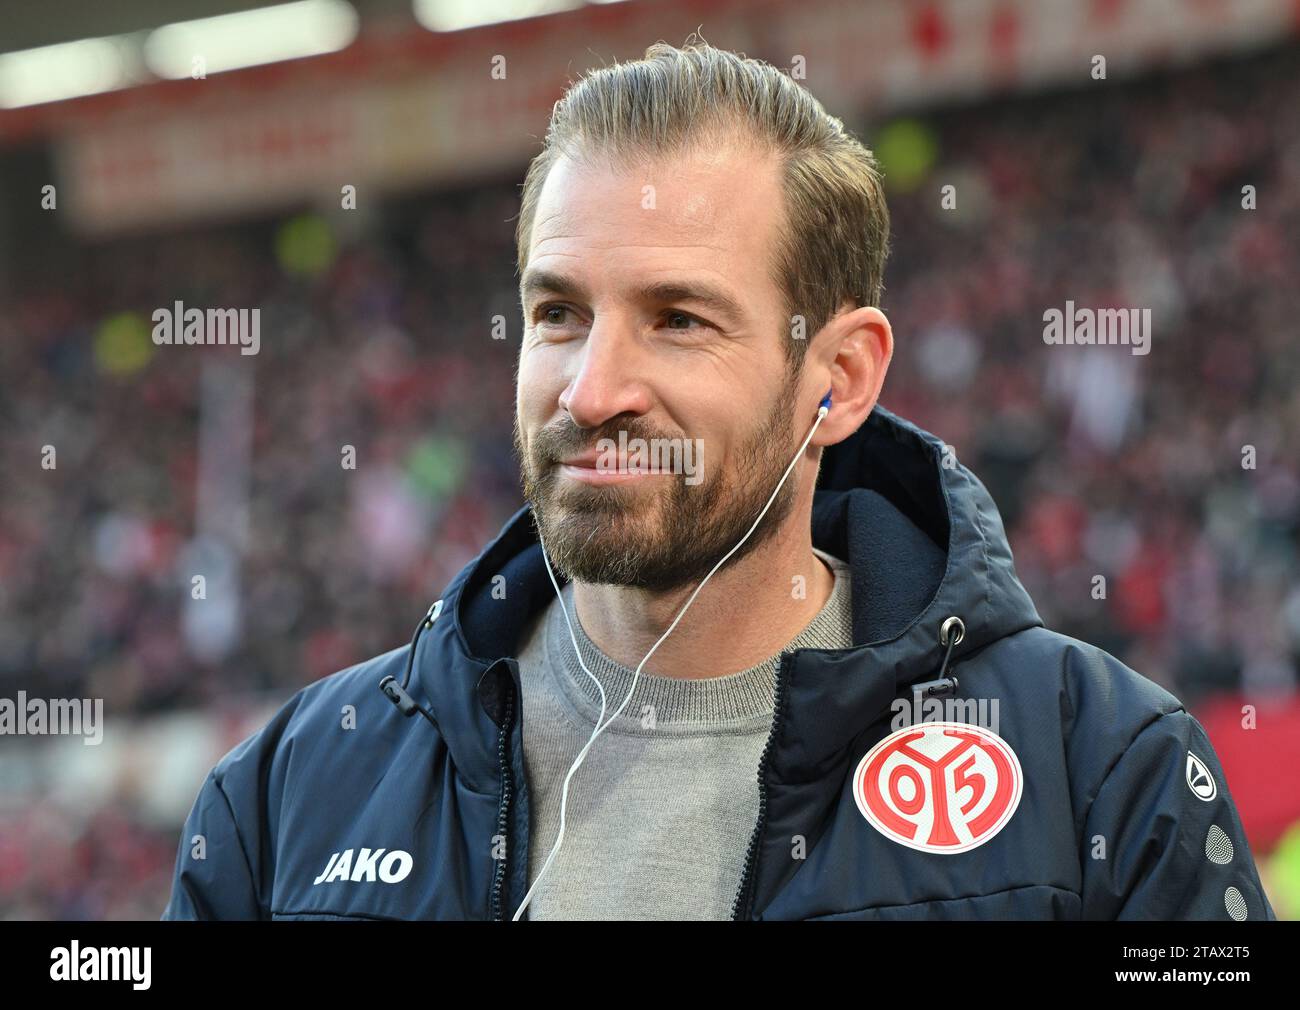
649	310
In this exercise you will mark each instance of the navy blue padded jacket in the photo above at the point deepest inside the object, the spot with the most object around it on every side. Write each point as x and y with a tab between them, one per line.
1096	796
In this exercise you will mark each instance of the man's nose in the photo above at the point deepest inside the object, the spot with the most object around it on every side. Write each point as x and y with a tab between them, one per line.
610	380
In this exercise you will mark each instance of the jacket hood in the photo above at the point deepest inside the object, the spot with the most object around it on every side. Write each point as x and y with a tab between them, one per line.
922	538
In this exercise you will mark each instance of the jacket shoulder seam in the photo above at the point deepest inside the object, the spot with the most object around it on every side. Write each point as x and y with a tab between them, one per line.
1101	786
239	837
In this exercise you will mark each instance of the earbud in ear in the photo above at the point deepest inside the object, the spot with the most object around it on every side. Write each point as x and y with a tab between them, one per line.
826	400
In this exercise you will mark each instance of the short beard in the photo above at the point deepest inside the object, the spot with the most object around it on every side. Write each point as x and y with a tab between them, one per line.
661	542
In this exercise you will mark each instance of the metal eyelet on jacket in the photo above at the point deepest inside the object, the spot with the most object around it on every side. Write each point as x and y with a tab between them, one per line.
951	632
397	693
952	623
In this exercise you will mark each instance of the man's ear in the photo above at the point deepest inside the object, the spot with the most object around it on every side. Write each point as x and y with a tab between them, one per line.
858	346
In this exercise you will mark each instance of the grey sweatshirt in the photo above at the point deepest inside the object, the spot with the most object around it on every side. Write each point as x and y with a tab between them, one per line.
659	814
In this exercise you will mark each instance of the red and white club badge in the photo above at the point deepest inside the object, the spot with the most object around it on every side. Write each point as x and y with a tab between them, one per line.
939	786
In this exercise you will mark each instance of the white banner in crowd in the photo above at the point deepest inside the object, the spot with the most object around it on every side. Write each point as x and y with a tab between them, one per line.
381	117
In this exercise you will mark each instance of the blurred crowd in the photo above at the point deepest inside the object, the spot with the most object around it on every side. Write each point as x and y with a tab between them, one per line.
1175	475
378	458
1151	500
98	864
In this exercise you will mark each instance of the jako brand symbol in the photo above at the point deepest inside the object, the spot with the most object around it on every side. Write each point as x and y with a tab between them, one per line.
395	867
940	787
1199	779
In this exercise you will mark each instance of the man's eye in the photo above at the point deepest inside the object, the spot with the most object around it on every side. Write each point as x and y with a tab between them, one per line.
555	315
674	317
546	314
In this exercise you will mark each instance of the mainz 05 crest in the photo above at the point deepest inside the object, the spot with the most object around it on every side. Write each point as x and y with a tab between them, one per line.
939	786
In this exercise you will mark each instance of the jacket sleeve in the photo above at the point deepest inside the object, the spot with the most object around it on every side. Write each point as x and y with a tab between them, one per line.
1162	839
213	878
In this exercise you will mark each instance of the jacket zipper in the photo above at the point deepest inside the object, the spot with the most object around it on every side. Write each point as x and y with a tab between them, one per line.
742	906
503	811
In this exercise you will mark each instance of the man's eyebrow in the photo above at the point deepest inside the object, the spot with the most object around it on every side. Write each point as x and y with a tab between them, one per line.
538	282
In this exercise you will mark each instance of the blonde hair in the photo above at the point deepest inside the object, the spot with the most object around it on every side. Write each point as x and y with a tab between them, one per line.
836	239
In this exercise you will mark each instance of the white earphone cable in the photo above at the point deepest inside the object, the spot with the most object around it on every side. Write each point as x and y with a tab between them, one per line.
822	411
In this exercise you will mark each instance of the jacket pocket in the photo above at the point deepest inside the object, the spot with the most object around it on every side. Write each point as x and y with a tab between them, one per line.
1034	902
329	917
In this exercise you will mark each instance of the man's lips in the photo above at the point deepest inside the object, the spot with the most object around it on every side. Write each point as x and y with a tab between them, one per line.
583	467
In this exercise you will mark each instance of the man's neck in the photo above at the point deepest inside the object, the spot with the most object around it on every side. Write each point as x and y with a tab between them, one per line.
749	611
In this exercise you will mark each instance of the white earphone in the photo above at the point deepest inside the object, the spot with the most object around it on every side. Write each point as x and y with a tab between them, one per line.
822	410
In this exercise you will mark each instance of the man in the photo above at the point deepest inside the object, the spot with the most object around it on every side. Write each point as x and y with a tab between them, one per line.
701	251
